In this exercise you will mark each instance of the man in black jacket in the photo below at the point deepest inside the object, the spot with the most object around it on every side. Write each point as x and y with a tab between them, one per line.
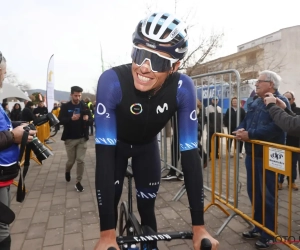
27	113
75	116
41	109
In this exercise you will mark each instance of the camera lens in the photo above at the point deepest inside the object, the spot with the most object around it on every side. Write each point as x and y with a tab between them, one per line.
40	151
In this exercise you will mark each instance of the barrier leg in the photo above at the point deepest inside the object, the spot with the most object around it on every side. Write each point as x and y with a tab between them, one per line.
46	145
180	193
32	157
16	183
52	139
228	220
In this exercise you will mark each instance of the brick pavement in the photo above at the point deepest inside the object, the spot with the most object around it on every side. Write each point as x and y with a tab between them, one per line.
54	216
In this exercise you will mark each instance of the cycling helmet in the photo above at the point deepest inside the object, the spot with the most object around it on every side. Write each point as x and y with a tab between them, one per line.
164	32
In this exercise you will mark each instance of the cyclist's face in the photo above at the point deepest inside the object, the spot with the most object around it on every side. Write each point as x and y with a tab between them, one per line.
145	79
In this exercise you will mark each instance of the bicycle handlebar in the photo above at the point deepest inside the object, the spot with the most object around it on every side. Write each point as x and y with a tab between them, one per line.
205	245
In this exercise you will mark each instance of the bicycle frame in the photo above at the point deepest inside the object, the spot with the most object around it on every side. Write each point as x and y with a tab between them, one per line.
145	237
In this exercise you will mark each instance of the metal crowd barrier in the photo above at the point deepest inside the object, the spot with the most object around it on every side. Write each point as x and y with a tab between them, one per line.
170	153
276	158
43	133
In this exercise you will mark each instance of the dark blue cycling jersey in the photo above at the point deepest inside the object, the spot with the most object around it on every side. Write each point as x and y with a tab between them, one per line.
127	116
144	116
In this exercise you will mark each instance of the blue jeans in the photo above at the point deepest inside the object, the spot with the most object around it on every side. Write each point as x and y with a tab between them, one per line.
270	194
294	168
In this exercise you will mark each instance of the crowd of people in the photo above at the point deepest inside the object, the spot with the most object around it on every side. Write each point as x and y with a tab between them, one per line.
134	103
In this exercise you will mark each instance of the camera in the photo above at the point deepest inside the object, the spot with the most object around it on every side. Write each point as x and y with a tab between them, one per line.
40	151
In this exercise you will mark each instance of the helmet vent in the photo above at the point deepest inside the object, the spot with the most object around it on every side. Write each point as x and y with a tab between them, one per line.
166	33
175	21
148	27
156	30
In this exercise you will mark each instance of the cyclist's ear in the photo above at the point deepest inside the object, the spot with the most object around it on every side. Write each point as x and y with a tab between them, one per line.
176	66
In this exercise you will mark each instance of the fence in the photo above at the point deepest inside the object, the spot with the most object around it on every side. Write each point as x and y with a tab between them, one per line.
277	159
223	90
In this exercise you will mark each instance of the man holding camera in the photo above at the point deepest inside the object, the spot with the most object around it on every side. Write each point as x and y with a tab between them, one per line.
9	153
76	117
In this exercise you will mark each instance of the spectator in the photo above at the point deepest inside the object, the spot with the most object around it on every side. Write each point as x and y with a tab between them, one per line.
213	114
200	131
91	107
27	113
175	156
230	121
9	154
16	112
41	109
258	125
75	116
6	109
291	140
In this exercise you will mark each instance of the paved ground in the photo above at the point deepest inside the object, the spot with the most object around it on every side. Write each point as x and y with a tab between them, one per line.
54	216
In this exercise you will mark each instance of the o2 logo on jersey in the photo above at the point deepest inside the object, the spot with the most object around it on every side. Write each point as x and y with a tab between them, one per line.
193	115
136	108
101	110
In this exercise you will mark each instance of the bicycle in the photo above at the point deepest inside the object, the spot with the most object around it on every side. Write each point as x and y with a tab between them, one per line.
131	231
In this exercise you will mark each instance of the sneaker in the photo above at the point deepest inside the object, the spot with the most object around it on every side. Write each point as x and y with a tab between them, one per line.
263	243
78	187
169	177
251	234
68	176
294	186
231	155
241	156
279	186
180	177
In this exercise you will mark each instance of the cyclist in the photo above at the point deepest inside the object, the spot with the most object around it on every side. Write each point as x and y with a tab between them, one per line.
134	102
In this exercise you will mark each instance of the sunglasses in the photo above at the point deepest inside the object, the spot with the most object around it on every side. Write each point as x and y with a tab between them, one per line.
158	63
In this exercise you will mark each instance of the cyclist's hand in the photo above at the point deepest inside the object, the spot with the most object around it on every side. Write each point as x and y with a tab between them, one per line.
200	233
107	239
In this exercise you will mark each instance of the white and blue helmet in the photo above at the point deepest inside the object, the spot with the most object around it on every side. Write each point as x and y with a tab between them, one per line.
164	32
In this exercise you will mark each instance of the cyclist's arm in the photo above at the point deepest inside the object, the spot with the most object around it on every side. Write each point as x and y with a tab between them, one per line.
108	96
188	143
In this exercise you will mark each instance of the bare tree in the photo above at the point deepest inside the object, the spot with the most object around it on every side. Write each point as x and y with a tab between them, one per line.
88	95
204	48
13	79
261	59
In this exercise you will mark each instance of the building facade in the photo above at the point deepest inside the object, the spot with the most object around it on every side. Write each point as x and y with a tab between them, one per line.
278	51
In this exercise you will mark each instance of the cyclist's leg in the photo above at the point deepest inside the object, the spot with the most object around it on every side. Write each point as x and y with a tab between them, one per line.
120	171
147	170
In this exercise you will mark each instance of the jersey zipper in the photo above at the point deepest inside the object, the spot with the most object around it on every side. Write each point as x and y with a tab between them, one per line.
147	116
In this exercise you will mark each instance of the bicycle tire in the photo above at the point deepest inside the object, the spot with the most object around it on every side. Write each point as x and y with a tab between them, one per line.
54	133
123	220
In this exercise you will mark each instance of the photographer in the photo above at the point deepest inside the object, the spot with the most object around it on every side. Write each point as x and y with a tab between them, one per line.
9	157
76	117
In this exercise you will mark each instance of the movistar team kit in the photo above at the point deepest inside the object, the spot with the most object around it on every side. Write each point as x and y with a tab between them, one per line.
127	123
